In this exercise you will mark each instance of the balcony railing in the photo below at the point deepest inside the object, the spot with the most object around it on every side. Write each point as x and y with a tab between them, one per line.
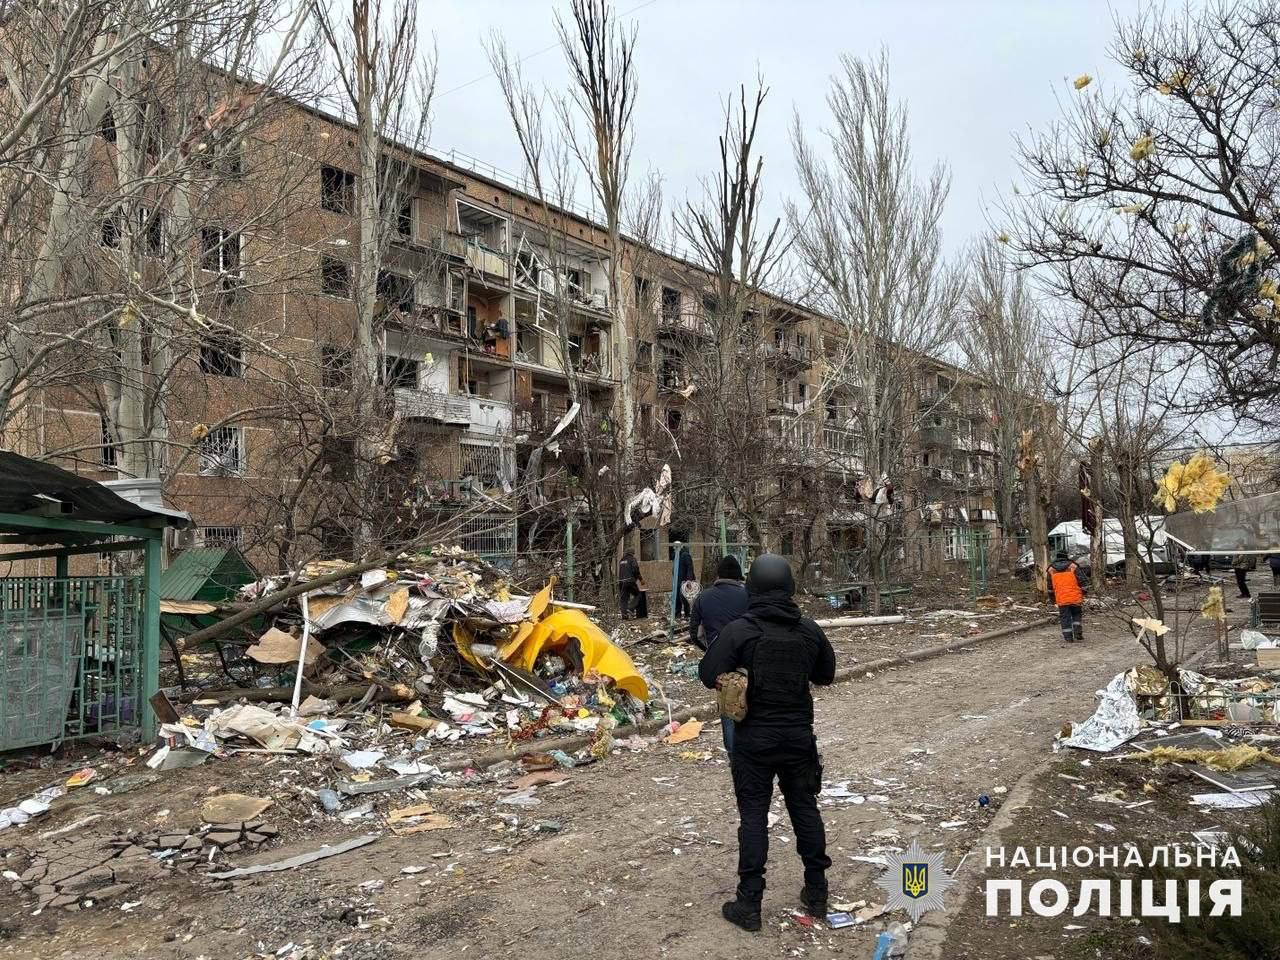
789	351
477	255
489	417
679	322
428	405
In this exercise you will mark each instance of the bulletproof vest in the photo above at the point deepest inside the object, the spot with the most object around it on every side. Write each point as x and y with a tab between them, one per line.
780	667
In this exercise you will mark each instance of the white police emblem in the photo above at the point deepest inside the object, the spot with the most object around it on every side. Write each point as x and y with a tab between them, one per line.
915	881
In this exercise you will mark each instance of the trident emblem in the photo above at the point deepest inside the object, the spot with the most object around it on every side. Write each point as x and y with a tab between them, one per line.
915	880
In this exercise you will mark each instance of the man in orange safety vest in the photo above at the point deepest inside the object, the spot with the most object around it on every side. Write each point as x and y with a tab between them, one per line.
1066	589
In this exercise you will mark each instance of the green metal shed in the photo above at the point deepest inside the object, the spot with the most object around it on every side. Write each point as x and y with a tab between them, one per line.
213	574
79	656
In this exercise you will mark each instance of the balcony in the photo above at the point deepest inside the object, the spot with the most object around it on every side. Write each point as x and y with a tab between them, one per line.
476	255
842	448
683	324
488	417
789	353
936	437
984	446
427	405
794	432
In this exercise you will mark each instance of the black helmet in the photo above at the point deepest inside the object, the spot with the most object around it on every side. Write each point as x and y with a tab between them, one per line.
771	572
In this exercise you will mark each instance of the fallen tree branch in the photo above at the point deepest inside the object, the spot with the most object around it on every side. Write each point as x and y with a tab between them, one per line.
272	600
343	692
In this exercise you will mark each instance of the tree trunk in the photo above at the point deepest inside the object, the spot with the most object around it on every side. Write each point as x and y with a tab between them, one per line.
1035	516
1098	542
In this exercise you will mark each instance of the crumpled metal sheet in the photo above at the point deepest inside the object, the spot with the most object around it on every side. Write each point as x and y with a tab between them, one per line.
508	611
1114	722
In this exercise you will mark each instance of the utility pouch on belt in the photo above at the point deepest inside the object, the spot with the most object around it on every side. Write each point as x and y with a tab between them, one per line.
815	773
731	694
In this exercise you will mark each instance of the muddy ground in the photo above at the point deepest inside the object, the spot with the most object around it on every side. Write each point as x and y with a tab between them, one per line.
633	854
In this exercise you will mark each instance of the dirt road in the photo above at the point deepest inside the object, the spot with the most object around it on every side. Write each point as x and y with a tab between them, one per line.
636	854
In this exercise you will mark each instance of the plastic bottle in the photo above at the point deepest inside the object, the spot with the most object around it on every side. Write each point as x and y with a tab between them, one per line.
891	943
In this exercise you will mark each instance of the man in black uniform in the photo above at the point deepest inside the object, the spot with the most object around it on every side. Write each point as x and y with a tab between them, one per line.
783	653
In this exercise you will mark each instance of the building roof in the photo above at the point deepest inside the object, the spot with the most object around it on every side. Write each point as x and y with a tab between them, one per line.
193	569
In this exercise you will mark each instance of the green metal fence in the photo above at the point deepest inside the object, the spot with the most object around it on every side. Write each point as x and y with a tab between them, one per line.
71	658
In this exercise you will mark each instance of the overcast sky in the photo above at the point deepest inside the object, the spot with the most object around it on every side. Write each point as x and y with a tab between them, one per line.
972	72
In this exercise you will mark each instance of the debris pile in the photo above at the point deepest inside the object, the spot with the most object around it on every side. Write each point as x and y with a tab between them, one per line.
1218	729
443	634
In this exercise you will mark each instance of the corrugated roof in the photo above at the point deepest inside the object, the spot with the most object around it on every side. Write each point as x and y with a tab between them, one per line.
38	487
190	571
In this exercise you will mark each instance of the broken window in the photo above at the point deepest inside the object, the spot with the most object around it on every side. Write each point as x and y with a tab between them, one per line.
404	217
151	230
337	190
396	291
529	344
644	355
112	230
335	277
527	269
338	455
107	129
220	356
222	453
802	391
153	119
833	409
335	366
220	155
671	306
220	251
402	372
674	419
643	294
108	446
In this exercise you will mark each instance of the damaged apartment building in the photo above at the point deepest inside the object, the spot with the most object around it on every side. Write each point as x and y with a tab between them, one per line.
494	314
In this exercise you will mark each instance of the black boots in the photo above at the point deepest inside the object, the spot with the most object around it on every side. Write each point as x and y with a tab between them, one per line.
742	913
815	903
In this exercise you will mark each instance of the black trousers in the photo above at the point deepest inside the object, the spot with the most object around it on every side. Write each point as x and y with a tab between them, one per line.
629	591
791	757
1242	581
1070	617
682	603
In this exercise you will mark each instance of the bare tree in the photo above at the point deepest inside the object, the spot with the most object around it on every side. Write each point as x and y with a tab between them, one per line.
1004	340
600	54
120	197
1153	199
387	81
869	232
737	253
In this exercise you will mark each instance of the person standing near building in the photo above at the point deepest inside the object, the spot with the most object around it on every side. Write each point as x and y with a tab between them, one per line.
684	574
783	653
1066	589
631	586
714	609
1242	564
